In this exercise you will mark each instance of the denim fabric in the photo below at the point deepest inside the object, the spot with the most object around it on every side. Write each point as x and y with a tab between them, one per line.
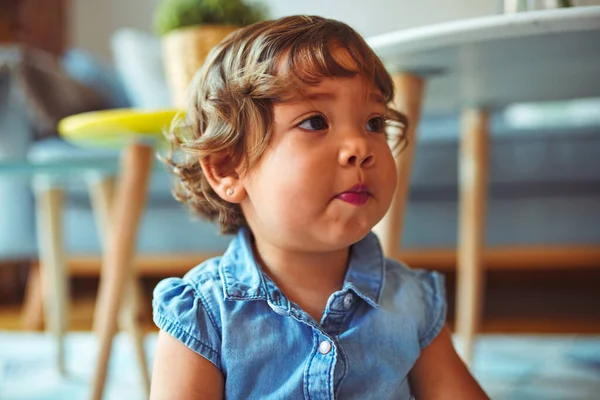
371	333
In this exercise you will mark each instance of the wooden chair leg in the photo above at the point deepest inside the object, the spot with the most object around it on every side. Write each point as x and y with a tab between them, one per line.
130	322
473	179
32	315
409	94
55	281
101	193
129	202
101	190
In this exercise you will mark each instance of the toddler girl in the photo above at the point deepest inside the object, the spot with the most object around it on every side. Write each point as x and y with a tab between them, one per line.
286	145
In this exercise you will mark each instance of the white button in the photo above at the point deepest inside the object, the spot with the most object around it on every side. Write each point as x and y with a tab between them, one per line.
324	347
348	299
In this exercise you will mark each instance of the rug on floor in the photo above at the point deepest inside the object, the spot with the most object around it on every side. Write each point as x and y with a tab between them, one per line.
512	367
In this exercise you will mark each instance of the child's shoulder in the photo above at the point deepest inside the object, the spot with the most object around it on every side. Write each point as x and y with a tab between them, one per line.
399	275
207	272
189	309
200	289
203	276
418	294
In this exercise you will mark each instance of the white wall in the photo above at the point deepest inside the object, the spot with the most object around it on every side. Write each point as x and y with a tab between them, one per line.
372	17
93	21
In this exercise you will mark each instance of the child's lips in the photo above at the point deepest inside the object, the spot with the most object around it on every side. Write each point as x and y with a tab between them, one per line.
357	199
356	195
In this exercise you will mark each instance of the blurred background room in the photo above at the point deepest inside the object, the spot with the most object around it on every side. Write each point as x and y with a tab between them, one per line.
535	304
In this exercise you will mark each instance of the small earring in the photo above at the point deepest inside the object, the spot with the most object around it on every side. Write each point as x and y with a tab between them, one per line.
229	192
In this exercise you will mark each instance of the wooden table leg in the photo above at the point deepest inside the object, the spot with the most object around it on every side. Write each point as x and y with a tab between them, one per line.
33	303
53	271
473	179
408	99
126	213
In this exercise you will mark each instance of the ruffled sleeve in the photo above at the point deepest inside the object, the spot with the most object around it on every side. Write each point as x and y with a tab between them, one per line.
179	310
433	295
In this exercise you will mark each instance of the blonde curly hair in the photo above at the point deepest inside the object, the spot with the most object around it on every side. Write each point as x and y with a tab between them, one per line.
231	97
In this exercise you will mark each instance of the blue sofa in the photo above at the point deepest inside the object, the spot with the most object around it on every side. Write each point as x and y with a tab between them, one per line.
544	181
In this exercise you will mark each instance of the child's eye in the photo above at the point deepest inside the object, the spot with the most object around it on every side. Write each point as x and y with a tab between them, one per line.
314	123
376	124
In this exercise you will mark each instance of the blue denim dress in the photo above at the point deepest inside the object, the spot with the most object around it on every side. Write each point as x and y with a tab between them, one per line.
371	333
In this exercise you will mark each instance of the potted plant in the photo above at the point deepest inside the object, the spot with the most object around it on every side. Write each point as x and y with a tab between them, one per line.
190	28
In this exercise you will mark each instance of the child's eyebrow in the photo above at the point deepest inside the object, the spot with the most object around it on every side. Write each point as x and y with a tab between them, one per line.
376	97
373	96
320	96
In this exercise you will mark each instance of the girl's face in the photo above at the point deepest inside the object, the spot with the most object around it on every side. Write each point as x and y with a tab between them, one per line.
328	175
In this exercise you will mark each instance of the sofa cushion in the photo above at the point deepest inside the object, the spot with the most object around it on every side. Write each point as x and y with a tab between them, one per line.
17	225
567	219
165	230
57	150
543	157
138	60
87	69
47	92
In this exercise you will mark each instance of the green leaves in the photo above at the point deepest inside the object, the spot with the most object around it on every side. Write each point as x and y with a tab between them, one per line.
174	14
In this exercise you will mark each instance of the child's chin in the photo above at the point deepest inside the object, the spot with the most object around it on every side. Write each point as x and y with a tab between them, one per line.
352	236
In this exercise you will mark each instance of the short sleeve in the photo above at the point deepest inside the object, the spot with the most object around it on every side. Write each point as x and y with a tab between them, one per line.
178	309
433	294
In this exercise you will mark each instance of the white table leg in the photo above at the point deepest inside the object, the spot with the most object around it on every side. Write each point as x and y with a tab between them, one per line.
55	281
408	100
473	183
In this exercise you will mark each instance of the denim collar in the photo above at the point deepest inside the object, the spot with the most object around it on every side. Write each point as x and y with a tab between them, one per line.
243	278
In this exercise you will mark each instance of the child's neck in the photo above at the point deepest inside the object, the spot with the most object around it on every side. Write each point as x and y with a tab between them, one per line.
307	279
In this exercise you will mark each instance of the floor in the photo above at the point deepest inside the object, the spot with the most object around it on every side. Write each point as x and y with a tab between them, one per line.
541	340
511	367
546	302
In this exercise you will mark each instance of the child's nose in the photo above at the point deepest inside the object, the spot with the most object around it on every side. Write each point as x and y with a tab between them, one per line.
357	152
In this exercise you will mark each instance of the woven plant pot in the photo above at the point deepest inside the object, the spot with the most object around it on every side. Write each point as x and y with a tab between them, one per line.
184	51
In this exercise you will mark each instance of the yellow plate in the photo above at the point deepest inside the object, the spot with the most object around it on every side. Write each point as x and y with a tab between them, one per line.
108	124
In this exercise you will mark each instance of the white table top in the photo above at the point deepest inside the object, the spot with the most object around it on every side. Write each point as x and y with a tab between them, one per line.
499	60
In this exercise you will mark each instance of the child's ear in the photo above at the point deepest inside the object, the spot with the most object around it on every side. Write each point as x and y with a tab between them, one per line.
228	187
